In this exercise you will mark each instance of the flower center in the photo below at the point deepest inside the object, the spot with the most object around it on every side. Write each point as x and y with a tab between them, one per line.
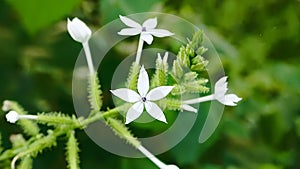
143	29
144	99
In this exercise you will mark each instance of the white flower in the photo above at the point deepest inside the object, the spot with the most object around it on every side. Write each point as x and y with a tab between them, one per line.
13	116
220	95
78	30
143	99
147	29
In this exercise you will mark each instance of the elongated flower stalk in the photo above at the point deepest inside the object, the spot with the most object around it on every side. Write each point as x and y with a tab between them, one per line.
82	33
155	160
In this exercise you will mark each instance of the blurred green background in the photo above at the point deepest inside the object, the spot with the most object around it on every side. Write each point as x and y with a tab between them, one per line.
258	42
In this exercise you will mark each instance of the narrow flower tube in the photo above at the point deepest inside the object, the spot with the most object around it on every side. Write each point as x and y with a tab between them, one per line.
155	160
199	100
13	117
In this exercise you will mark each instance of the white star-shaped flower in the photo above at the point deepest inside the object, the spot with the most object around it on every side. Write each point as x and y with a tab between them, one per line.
155	160
220	95
143	99
147	29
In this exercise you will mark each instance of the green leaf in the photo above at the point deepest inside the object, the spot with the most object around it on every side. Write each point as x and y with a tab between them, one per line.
36	14
111	9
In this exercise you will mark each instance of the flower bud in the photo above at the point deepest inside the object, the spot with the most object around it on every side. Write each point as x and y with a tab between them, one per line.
12	116
78	30
6	105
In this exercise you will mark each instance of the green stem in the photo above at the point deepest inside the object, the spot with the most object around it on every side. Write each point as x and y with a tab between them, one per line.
103	115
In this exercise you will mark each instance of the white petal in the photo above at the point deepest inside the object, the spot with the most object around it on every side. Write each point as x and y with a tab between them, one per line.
189	108
221	81
143	82
231	99
12	116
160	32
221	88
129	31
78	30
126	95
134	112
130	22
155	111
159	93
150	23
148	38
